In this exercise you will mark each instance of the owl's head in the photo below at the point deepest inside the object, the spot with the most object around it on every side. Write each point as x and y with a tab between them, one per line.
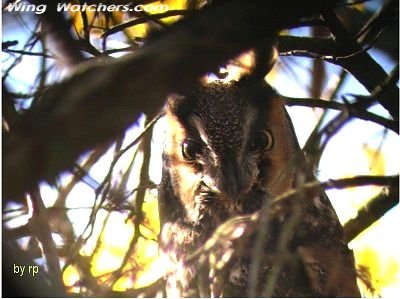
228	142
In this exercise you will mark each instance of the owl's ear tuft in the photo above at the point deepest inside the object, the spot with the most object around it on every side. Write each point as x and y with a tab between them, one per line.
265	57
255	63
178	105
174	102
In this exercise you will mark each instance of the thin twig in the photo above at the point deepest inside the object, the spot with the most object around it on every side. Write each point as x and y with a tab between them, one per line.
358	113
275	209
39	223
28	53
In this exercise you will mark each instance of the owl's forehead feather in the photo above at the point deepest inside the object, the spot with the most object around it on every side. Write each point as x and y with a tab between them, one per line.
222	99
222	113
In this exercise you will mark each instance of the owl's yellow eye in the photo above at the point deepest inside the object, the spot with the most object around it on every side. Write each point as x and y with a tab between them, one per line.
264	140
190	149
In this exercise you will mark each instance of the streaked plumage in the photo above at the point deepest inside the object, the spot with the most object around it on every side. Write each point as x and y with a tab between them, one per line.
229	147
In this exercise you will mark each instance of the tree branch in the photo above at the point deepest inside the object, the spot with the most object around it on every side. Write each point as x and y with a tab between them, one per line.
362	66
103	99
278	207
372	211
348	54
353	111
137	21
58	29
39	225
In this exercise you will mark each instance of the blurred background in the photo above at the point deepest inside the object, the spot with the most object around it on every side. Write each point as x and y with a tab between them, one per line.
103	215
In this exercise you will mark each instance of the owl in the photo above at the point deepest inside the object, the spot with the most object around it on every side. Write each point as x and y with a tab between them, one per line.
230	148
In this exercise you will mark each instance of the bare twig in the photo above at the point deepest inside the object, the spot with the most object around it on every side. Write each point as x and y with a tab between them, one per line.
28	53
57	28
353	111
358	65
39	224
84	111
277	207
346	53
140	195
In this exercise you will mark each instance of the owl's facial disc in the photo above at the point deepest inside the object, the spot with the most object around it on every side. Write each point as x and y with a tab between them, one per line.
224	144
227	174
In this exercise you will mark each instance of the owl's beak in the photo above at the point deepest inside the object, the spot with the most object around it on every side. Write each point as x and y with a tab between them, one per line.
233	182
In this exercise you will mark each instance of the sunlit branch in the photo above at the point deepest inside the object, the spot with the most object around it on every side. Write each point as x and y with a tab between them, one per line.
91	107
100	101
279	207
154	291
372	211
91	284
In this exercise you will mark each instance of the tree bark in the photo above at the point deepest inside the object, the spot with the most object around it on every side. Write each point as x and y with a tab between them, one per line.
102	99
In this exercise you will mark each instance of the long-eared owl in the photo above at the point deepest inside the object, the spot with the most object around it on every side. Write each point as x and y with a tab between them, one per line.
229	148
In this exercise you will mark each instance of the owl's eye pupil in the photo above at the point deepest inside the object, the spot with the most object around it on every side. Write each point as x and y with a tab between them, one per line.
264	140
190	149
